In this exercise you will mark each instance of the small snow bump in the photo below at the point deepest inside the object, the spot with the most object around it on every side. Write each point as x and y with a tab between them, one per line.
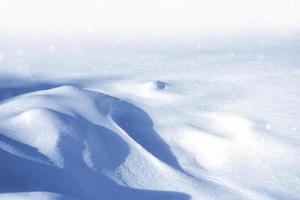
160	85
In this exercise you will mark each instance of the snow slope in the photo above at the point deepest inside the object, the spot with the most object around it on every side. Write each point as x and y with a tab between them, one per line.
201	119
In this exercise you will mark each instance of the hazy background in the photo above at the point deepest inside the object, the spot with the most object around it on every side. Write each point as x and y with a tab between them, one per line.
98	35
144	19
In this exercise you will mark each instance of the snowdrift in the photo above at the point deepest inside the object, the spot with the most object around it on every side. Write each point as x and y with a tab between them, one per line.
71	142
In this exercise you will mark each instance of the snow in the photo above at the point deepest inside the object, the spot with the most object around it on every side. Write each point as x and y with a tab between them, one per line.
181	101
204	125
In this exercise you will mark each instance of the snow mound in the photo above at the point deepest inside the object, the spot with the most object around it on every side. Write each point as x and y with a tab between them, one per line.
74	142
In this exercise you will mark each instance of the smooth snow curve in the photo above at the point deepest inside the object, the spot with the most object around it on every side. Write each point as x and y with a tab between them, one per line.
65	143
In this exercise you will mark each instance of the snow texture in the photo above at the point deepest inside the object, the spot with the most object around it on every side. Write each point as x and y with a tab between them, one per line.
142	102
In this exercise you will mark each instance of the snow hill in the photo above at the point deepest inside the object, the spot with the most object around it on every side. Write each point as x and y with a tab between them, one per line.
216	120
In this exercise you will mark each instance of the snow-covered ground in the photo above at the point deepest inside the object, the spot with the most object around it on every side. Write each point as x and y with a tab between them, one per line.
205	119
169	100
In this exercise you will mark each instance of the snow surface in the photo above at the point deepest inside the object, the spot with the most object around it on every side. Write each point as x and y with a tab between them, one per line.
211	120
149	100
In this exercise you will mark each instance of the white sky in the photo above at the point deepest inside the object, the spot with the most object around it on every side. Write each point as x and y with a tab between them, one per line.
148	17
